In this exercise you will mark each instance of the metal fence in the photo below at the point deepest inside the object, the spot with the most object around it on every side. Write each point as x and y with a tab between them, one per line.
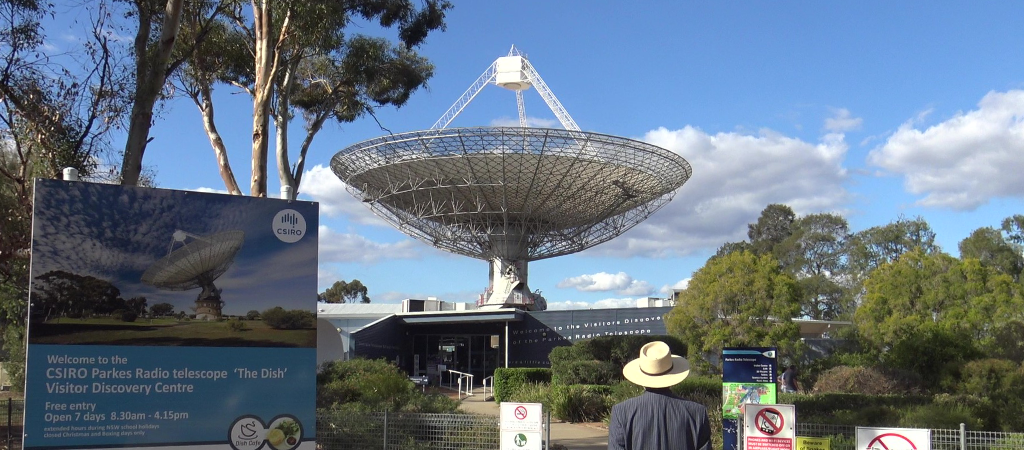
352	430
12	414
357	431
844	437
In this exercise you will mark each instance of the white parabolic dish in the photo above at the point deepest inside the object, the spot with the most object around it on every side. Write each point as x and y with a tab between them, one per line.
196	263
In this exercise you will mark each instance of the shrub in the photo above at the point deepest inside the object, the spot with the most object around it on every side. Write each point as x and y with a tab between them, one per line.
585	372
533	392
236	325
580	402
991	378
508	380
296	319
867	380
939	416
373	384
124	315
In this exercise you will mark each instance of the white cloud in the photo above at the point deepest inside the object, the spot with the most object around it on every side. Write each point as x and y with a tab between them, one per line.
842	121
621	283
600	304
323	186
348	247
681	284
965	161
566	305
615	303
734	177
535	122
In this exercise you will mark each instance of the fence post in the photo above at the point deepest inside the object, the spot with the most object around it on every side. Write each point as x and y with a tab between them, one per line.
10	414
963	436
385	429
547	444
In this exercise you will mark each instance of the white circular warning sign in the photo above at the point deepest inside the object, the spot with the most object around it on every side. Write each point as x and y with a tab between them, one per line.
769	427
893	438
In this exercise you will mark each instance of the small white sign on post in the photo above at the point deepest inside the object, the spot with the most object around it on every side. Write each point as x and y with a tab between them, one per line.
869	438
769	427
521	425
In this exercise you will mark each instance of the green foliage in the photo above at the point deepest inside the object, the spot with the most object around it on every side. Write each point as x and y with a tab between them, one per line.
295	319
345	292
124	315
252	315
374	385
533	392
989	247
737	300
236	325
935	355
867	381
161	309
580	402
585	372
939	416
852	409
509	380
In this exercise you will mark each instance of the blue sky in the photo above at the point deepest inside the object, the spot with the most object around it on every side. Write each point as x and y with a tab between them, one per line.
872	109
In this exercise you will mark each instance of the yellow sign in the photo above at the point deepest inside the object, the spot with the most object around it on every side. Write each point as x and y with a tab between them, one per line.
809	443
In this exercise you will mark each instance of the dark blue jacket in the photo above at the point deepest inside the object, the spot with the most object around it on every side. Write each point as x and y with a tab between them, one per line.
658	420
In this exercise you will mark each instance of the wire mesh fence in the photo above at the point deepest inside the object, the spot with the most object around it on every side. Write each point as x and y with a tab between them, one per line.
352	430
844	437
357	431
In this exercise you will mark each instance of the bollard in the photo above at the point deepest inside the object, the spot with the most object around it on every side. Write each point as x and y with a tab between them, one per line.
963	436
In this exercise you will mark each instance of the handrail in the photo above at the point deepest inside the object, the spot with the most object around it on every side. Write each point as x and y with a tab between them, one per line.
462	376
489	384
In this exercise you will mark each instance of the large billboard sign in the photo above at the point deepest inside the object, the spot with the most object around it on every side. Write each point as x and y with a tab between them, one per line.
170	319
748	377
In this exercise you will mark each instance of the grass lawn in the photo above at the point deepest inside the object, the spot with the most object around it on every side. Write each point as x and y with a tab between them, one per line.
167	332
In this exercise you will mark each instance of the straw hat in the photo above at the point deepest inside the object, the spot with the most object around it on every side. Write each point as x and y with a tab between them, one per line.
656	367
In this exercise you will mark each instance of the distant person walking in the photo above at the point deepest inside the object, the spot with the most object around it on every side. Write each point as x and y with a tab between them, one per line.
658	419
789	383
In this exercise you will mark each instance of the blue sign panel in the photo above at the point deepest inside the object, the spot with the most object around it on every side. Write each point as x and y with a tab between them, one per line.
748	376
170	319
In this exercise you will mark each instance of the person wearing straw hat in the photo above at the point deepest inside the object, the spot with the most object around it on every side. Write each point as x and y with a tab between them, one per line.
658	419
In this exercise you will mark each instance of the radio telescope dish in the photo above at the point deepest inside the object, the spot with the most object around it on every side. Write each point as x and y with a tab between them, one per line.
511	195
196	264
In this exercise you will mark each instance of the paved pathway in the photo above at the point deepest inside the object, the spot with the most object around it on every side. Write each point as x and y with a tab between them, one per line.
573	436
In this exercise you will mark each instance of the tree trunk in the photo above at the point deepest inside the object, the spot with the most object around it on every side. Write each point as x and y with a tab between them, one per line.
205	104
262	90
151	72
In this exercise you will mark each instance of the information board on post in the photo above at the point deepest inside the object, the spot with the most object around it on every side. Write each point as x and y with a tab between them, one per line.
170	319
869	438
521	425
769	427
748	377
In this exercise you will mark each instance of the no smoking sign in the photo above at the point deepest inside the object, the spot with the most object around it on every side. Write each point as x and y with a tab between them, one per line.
521	426
769	427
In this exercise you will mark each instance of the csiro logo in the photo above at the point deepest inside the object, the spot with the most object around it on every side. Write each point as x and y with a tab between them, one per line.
289	226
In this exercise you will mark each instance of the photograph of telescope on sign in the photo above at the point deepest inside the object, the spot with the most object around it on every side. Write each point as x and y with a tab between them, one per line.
145	267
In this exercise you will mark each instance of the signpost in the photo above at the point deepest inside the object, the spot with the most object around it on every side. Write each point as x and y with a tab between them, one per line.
748	377
521	425
769	427
170	319
869	438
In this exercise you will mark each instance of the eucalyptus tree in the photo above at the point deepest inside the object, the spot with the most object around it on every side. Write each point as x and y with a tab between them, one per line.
815	254
295	59
988	246
737	299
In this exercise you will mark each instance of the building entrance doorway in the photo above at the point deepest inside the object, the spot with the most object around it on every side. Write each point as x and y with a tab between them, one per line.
475	354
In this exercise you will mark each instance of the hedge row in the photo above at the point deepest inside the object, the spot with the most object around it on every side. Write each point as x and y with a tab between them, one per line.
508	380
